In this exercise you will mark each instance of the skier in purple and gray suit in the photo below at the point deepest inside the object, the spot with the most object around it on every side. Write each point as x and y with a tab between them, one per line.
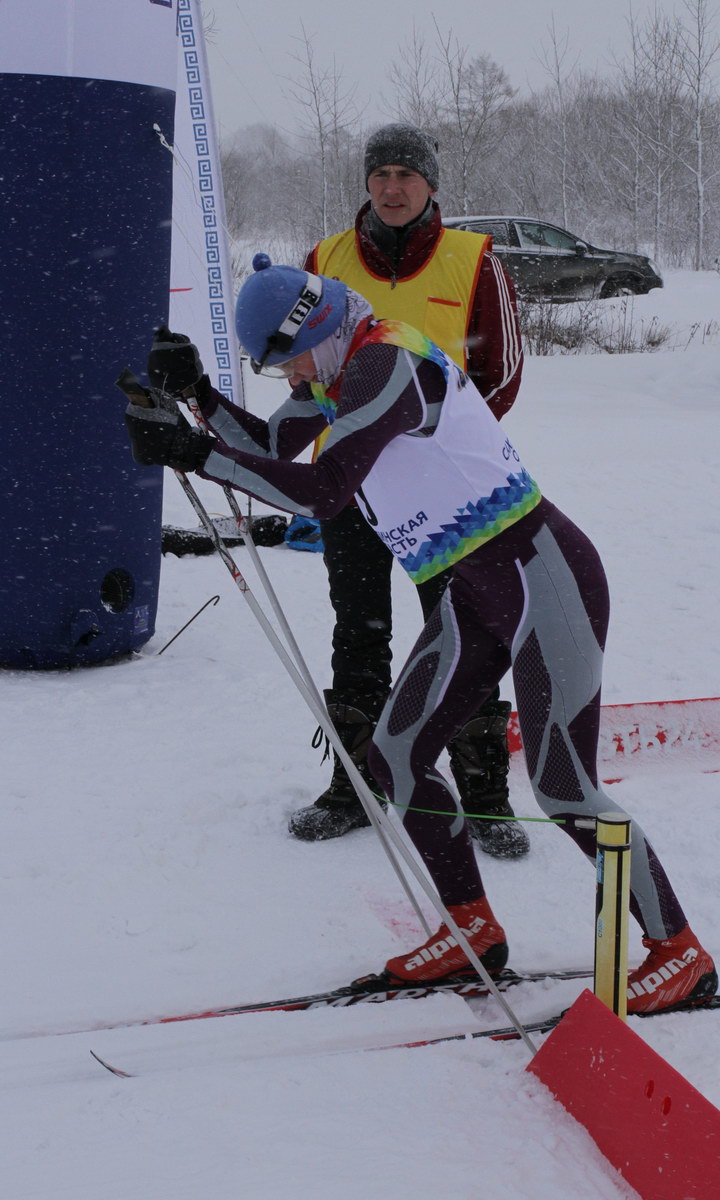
439	481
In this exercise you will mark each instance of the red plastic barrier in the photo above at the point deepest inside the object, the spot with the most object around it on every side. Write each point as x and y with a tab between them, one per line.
649	1122
652	726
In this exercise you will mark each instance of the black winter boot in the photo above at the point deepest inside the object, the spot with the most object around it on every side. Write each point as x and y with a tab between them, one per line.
339	809
479	760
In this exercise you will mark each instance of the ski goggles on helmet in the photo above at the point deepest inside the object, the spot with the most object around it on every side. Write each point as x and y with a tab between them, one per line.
284	339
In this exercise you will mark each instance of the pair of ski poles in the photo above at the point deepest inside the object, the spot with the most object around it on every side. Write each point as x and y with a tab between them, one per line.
292	659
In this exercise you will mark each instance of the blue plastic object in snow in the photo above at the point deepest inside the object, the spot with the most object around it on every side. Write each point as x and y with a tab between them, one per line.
303	533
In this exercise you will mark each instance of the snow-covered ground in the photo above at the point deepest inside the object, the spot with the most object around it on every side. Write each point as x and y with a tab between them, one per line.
147	869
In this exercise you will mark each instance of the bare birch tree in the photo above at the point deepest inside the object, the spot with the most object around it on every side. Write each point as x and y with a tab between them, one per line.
326	115
698	51
656	46
414	77
553	57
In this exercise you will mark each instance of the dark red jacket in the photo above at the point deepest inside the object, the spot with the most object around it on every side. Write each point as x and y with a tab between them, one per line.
494	348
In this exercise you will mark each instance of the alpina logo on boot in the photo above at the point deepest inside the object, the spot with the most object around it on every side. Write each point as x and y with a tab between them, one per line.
655	979
475	925
436	949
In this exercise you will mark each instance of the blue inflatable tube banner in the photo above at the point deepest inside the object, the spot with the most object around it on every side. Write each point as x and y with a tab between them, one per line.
86	89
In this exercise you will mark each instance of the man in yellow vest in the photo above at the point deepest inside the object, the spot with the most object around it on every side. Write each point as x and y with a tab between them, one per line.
448	284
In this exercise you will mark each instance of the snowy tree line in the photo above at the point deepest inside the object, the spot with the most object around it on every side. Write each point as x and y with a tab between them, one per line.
630	159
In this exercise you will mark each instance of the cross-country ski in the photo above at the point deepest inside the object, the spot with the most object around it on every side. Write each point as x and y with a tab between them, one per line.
507	1033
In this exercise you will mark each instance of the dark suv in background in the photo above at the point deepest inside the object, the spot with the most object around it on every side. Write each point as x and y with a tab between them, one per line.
548	263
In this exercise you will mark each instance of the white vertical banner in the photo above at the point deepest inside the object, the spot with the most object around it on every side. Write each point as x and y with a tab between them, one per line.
202	302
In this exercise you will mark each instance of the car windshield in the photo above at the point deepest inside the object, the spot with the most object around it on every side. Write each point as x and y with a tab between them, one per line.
534	233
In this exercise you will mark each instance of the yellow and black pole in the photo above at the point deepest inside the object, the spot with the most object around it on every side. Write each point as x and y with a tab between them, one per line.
612	909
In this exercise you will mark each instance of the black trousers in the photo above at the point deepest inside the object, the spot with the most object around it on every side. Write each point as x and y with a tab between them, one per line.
359	566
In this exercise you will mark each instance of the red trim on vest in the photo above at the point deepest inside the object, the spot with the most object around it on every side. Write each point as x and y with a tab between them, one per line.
473	292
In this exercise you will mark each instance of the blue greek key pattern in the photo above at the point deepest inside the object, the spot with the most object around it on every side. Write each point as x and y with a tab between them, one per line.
206	184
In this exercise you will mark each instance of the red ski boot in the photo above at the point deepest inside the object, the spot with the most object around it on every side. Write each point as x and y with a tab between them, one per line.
441	955
677	971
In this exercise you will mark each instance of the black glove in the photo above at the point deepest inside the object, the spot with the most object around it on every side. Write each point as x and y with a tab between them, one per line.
158	433
178	445
174	363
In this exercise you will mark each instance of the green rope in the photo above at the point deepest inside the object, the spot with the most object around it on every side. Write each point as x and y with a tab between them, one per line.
439	812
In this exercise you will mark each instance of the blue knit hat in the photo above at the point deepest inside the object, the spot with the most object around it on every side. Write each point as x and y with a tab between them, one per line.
282	311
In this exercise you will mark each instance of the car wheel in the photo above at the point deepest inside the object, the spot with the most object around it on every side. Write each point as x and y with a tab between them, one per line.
619	285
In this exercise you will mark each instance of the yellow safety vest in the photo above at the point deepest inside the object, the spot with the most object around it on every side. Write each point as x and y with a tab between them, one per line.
437	299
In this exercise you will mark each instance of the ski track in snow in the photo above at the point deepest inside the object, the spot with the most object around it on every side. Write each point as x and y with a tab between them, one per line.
147	868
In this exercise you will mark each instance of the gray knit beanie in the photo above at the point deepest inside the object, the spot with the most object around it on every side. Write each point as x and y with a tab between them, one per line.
404	146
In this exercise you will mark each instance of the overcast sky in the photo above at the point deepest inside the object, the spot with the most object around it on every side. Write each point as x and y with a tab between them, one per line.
253	42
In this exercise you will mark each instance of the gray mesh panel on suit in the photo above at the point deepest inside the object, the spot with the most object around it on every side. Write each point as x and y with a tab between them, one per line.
562	775
533	691
410	701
